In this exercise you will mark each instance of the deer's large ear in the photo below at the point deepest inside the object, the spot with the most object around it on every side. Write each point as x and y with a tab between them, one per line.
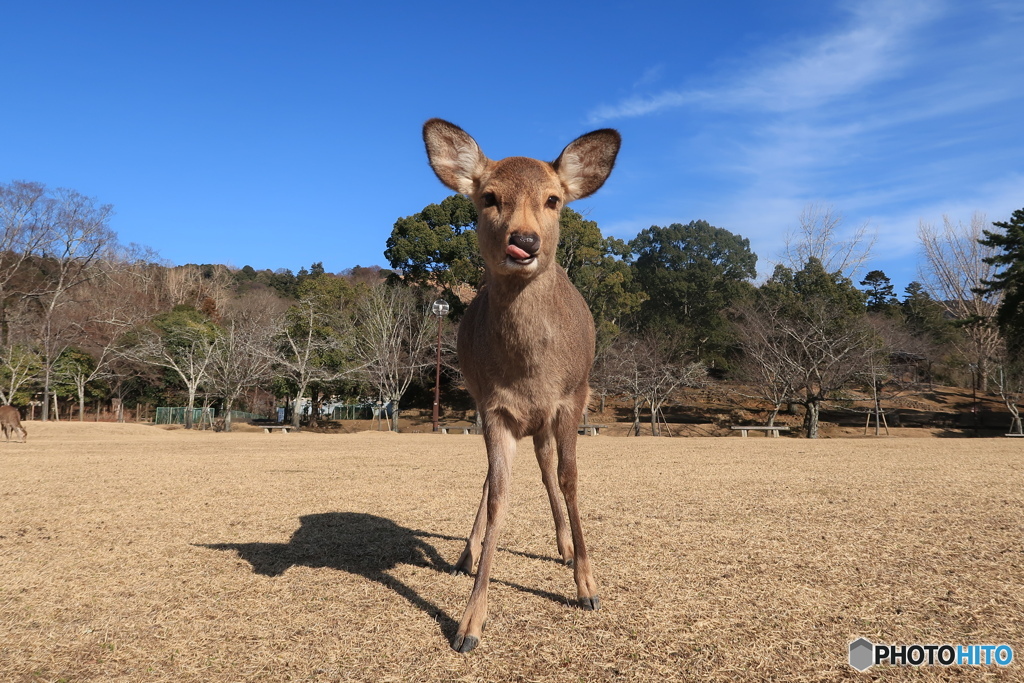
454	155
587	161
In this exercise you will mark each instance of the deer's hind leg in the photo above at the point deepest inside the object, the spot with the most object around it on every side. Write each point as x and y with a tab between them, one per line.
544	445
469	556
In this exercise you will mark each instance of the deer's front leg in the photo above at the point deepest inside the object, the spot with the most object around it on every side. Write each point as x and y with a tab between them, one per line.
586	586
501	448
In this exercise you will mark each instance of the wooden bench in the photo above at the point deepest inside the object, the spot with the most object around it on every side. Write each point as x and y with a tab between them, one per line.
284	428
454	428
590	430
772	431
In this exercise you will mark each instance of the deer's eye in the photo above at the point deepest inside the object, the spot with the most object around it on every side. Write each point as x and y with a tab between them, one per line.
490	199
552	202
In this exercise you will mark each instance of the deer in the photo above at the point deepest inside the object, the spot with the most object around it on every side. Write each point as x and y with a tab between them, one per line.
10	423
526	341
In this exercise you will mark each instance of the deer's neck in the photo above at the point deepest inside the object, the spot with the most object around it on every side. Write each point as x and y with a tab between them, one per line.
524	315
513	297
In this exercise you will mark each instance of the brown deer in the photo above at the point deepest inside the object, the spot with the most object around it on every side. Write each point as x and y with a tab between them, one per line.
526	342
10	422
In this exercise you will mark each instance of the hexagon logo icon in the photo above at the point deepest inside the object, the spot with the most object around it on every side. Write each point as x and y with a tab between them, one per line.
862	654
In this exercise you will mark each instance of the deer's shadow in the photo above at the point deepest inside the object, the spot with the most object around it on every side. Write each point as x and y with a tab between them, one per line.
351	542
365	545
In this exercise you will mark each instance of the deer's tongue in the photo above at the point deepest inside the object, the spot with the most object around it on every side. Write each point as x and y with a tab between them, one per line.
516	253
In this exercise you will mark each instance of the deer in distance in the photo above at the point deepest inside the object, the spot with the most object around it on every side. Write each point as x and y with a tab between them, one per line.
10	423
526	342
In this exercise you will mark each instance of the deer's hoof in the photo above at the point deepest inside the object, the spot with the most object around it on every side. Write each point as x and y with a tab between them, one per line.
590	604
464	567
464	644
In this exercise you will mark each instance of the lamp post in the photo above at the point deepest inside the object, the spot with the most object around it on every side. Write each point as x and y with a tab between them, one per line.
974	395
440	309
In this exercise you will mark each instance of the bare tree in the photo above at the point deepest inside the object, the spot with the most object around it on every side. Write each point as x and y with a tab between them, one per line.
622	374
77	368
243	355
20	362
206	288
79	239
649	370
183	342
820	235
26	221
127	293
891	366
1009	379
766	365
106	308
391	340
311	345
663	372
26	217
953	273
126	376
810	352
905	352
604	379
830	351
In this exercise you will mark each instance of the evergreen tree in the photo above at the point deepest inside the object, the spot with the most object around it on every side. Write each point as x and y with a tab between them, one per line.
437	248
1010	278
881	296
692	274
596	265
925	316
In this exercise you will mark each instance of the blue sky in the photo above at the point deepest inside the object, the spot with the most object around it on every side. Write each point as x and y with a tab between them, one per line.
279	134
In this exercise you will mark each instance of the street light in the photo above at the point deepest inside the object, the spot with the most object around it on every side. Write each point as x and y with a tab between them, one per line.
440	309
974	394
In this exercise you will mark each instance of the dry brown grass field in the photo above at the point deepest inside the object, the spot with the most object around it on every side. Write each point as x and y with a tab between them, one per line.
135	553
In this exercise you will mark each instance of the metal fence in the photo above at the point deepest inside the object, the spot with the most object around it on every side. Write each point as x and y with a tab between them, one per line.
354	411
170	416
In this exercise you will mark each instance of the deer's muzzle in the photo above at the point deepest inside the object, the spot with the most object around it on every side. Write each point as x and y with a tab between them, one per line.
523	247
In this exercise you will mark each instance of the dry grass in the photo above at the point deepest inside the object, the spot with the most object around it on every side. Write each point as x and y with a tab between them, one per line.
129	553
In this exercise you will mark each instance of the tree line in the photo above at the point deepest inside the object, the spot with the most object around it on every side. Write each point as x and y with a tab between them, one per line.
86	319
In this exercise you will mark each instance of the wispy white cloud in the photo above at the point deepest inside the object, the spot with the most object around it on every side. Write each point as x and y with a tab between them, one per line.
650	76
874	48
648	104
871	48
905	114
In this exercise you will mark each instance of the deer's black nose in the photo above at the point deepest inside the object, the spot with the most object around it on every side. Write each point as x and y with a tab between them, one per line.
527	241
